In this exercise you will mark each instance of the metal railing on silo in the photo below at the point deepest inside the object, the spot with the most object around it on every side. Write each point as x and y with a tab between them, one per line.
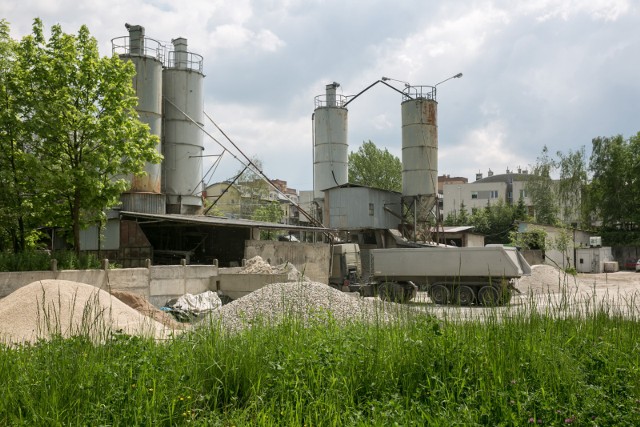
419	92
330	101
184	61
149	47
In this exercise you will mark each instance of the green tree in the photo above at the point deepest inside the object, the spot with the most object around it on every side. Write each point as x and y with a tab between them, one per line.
520	213
541	190
535	238
254	188
20	170
376	168
269	212
78	110
615	184
573	179
463	216
494	221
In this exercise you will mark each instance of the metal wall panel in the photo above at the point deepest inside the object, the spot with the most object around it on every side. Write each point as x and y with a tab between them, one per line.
355	208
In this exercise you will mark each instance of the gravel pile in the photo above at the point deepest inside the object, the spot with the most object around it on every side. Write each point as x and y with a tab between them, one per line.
305	301
45	308
257	265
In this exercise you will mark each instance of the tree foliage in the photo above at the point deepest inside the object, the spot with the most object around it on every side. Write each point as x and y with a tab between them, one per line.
494	221
542	191
268	212
376	168
71	126
614	192
535	238
573	179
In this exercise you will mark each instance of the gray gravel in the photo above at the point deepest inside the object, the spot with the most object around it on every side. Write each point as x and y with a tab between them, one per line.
306	301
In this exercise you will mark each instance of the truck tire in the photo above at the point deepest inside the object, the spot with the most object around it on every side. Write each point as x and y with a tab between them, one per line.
439	294
464	295
489	296
396	292
385	291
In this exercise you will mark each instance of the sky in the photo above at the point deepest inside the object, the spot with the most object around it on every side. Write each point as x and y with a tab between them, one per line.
536	73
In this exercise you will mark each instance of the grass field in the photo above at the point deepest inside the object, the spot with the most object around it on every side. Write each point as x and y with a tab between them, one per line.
520	369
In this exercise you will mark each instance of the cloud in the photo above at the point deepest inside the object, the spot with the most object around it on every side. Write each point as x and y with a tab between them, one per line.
599	10
536	72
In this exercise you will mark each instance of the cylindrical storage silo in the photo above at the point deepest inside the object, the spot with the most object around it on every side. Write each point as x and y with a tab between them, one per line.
145	54
182	88
420	150
330	148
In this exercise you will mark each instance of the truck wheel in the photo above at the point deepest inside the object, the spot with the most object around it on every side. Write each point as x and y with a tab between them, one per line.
385	291
489	296
439	294
464	295
506	296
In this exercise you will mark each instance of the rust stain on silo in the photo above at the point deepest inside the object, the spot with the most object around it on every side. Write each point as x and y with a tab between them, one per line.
429	112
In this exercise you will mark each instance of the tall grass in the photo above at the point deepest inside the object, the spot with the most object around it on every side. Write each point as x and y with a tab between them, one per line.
508	366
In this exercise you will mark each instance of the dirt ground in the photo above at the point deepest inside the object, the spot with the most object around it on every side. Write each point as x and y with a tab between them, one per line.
550	291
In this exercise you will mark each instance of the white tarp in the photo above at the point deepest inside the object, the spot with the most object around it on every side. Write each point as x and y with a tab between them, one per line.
198	304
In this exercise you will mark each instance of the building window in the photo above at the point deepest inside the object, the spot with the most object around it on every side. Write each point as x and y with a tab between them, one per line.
370	209
493	194
474	194
523	194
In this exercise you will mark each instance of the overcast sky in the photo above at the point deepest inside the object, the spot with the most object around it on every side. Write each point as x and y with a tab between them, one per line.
536	72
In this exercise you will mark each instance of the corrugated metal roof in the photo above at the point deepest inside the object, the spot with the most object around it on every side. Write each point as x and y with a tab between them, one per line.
452	229
219	221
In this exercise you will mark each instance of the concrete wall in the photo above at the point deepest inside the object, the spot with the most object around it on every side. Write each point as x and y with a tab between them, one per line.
157	283
171	281
235	285
312	259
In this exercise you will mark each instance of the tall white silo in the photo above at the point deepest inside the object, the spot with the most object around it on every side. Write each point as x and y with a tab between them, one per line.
182	88
420	149
330	148
147	55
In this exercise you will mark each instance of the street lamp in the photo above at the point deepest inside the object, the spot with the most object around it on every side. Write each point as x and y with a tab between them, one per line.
457	76
574	225
385	79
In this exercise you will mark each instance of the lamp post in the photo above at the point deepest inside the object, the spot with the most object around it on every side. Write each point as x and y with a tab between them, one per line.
457	76
574	225
435	86
386	79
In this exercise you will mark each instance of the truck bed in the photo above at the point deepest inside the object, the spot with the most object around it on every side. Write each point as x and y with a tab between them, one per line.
423	263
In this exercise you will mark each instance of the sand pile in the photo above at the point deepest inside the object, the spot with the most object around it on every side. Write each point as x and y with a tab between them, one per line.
257	265
61	307
546	279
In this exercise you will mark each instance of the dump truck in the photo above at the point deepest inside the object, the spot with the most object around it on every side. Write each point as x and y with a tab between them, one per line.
450	275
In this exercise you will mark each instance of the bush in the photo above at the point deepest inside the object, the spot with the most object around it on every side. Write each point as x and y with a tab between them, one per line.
41	261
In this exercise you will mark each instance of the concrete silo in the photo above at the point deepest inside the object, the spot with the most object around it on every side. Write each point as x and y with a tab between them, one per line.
147	56
182	88
330	148
420	150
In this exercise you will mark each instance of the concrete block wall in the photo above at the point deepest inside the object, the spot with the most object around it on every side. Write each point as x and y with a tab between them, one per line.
312	259
157	283
235	285
170	281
